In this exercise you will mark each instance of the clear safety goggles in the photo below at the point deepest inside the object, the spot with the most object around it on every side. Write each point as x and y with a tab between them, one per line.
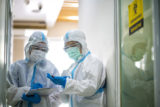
72	45
39	46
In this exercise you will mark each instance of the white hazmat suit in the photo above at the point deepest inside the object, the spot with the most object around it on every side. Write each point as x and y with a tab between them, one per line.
22	74
87	76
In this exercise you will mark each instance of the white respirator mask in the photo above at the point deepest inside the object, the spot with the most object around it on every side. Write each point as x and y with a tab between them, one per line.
37	55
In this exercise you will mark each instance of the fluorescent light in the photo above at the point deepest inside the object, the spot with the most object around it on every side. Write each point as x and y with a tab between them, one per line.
73	17
75	5
71	5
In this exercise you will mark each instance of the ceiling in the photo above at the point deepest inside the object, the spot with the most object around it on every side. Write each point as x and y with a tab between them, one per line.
43	12
69	11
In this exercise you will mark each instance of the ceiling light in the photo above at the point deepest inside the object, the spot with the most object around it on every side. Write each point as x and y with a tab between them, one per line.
73	17
70	5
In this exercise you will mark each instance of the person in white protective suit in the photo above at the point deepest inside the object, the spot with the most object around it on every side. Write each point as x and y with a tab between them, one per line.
28	74
137	81
84	81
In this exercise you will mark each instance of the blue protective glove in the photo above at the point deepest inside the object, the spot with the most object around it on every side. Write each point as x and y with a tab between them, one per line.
32	98
36	86
57	79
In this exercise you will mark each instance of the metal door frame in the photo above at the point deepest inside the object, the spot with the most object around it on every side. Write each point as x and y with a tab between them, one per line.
117	51
5	40
156	40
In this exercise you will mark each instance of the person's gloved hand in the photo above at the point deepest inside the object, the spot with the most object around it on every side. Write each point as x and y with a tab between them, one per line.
32	98
36	86
57	79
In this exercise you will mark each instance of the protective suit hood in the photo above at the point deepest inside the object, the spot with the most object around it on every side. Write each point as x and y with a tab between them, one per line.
79	36
35	38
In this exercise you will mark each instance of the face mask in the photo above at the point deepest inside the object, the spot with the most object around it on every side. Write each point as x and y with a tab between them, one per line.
37	55
74	53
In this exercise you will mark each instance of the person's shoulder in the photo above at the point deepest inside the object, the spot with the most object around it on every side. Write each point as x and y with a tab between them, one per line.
94	59
48	62
52	68
19	62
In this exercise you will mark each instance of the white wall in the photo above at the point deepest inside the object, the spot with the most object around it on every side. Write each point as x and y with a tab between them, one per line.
96	18
60	28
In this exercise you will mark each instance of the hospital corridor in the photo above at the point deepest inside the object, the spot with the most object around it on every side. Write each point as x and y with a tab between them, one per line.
79	53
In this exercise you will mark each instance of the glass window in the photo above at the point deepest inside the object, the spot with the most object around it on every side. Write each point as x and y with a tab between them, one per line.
137	80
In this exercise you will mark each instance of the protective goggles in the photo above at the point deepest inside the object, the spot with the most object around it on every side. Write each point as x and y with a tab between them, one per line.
39	46
72	45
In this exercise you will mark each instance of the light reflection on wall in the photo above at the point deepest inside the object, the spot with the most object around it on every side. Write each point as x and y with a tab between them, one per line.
57	55
64	105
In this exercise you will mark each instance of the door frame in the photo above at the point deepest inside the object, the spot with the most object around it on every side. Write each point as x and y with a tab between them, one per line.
156	38
156	41
117	51
5	44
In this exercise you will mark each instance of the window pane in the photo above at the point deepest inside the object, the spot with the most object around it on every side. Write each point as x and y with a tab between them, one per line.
137	81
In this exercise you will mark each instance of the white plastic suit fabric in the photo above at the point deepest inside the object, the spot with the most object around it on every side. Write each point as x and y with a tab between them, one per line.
79	36
20	75
87	77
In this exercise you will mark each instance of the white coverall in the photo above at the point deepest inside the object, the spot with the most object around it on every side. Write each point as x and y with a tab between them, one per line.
21	73
87	77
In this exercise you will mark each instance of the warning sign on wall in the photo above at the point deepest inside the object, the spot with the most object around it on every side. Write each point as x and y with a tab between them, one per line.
135	16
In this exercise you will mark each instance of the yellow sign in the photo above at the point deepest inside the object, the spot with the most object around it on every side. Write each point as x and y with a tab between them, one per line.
135	16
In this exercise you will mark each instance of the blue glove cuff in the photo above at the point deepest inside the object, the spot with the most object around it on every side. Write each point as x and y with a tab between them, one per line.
36	86
57	80
31	98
